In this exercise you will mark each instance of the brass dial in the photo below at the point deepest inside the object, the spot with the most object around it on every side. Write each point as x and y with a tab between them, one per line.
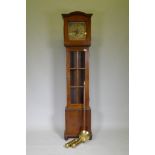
77	30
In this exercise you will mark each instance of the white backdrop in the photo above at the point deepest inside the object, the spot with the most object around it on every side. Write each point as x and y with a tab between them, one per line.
46	79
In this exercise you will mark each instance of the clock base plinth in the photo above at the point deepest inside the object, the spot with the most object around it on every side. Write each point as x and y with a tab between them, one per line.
74	122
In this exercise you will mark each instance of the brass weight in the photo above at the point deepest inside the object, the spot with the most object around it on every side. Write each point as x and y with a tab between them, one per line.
67	145
83	137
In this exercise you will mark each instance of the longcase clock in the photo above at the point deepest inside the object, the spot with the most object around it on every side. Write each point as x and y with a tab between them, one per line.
77	39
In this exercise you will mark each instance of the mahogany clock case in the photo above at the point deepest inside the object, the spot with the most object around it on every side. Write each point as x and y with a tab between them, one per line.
77	39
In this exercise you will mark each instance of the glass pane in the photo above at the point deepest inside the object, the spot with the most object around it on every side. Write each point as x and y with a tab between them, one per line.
81	77
80	95
73	59
73	95
81	59
73	77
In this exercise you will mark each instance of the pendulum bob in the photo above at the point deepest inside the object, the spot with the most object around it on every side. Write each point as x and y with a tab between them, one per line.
83	137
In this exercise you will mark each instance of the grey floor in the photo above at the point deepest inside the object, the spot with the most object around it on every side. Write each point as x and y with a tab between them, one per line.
105	142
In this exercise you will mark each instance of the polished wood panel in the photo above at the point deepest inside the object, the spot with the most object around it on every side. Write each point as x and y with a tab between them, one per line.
74	122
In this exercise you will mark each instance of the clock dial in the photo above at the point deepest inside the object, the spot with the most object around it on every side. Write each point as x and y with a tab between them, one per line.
77	30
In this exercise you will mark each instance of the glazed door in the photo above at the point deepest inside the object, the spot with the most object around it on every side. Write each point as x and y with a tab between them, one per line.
76	75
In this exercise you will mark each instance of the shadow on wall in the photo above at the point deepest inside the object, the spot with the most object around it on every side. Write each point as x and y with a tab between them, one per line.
95	68
55	26
58	61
